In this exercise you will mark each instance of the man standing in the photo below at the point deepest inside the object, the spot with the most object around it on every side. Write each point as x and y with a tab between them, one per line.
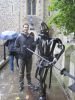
24	41
12	53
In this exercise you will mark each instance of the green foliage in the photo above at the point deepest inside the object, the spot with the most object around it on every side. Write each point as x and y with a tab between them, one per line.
64	14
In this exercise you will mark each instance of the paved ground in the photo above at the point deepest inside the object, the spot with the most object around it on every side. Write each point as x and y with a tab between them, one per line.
9	87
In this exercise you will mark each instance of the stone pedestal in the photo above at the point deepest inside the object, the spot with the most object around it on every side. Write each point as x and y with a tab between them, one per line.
72	72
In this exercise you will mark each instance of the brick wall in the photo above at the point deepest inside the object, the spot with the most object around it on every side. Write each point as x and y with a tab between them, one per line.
9	15
12	14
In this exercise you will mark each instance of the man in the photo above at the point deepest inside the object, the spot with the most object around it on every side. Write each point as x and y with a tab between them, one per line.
24	41
12	53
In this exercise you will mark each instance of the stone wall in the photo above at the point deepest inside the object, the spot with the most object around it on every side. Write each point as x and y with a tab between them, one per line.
9	15
13	13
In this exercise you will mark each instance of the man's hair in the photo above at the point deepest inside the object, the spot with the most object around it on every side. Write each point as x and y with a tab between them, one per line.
31	33
26	24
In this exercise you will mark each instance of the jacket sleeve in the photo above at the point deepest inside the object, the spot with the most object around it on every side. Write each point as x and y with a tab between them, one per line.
33	46
6	43
17	45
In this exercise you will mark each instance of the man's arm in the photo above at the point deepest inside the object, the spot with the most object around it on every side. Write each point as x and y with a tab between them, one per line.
33	46
6	43
17	45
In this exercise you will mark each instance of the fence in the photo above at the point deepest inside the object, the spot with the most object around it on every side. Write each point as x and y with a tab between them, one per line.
67	60
3	53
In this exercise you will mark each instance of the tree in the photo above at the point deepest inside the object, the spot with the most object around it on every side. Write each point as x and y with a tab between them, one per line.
64	14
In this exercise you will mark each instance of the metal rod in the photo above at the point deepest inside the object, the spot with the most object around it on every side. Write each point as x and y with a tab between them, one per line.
65	72
39	56
42	58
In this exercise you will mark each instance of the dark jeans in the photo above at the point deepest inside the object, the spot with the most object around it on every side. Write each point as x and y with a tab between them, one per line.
16	57
11	60
22	64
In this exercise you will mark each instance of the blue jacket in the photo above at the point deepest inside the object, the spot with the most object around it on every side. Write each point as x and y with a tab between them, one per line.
11	46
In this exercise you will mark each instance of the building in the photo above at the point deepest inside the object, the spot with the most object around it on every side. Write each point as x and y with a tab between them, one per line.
14	13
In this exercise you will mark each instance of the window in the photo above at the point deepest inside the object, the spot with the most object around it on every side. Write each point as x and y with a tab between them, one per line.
31	7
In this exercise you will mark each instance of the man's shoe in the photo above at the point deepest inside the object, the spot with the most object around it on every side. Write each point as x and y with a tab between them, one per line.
21	89
12	71
30	85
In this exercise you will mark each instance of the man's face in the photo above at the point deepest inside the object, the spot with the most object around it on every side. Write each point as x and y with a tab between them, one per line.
25	28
